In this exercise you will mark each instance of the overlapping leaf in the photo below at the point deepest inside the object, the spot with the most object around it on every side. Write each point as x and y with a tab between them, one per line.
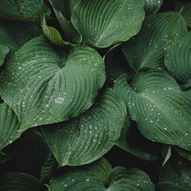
20	182
152	6
9	125
4	50
91	135
175	178
158	33
133	142
178	59
100	176
107	22
13	35
158	105
44	86
21	9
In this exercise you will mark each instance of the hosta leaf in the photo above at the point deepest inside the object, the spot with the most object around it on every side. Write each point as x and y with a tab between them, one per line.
4	50
91	135
158	33
66	7
43	86
3	158
20	182
133	142
100	176
169	186
178	59
183	153
63	14
184	7
152	6
9	125
21	9
158	105
107	22
52	34
48	168
179	175
13	35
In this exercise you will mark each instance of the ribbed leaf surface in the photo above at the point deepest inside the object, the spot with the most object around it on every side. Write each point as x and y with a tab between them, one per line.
44	86
91	135
158	105
107	22
101	177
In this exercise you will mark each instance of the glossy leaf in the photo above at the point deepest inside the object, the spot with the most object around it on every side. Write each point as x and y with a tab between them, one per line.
107	22
9	126
20	182
178	59
159	106
158	33
91	135
100	176
44	86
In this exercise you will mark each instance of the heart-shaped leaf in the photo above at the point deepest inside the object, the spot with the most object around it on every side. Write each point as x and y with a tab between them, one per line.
158	105
20	182
9	125
178	59
88	137
44	86
99	176
21	9
158	33
107	22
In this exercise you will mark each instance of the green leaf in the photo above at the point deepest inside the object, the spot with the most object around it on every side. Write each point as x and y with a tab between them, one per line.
44	86
52	34
133	142
107	22
178	59
24	10
9	126
15	181
69	32
179	175
158	33
99	176
158	105
66	7
3	158
88	137
152	6
4	50
185	8
48	168
15	34
169	186
183	153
